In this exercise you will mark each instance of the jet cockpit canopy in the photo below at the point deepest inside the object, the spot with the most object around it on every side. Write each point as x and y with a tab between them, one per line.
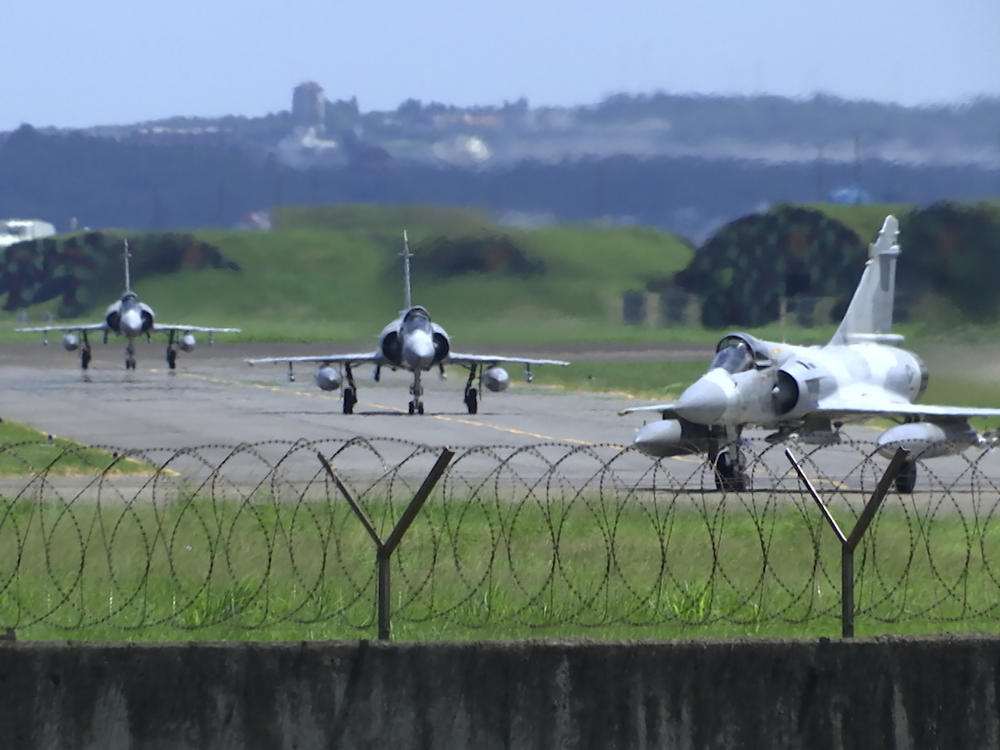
417	319
733	355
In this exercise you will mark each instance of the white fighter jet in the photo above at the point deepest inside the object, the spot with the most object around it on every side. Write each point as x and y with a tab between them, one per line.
810	391
415	343
130	318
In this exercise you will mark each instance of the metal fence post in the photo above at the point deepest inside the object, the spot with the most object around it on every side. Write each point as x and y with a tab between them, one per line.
384	550
850	543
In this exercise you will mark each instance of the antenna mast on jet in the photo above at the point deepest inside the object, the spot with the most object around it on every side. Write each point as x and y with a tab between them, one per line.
406	272
126	256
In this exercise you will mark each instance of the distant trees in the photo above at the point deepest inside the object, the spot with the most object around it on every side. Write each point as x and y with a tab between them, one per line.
745	271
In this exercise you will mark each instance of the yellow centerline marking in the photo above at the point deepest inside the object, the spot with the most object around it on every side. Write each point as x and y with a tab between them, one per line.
375	405
446	418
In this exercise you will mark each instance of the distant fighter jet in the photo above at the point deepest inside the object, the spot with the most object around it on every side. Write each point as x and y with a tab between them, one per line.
412	342
811	391
130	318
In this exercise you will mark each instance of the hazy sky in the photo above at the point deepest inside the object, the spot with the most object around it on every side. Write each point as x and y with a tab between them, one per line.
72	64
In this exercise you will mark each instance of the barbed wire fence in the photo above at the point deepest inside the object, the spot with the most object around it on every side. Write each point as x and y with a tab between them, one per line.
261	538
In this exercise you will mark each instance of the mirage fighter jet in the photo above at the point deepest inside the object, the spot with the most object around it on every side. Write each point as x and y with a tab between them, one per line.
811	391
415	343
130	318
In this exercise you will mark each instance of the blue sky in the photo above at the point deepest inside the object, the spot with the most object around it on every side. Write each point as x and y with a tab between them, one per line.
117	61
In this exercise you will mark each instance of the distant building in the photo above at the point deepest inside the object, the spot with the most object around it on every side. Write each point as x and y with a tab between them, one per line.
18	230
309	106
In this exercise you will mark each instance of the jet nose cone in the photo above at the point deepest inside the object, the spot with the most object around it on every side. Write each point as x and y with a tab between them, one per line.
704	401
131	323
418	351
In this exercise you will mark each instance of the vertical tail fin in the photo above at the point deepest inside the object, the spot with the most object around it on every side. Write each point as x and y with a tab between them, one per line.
126	256
869	316
407	300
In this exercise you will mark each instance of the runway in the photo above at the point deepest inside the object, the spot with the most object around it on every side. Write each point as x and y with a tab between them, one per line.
215	399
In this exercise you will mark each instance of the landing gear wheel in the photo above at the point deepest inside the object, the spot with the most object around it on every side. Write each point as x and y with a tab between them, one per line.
85	359
413	407
350	399
472	400
728	478
906	479
129	364
420	407
172	358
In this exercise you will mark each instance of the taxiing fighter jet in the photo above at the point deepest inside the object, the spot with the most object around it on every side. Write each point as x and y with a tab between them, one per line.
130	318
412	342
811	391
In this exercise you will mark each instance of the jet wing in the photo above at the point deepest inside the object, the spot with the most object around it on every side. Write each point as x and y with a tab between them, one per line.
352	359
876	402
82	327
456	358
193	329
667	410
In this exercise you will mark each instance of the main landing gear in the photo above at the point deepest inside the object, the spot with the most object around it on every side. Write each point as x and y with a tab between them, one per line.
171	352
471	394
85	352
350	390
730	471
906	479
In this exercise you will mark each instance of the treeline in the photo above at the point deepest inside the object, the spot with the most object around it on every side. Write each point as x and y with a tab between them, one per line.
754	265
81	269
127	183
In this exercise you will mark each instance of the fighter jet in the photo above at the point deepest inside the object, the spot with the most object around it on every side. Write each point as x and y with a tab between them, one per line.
415	343
130	318
811	391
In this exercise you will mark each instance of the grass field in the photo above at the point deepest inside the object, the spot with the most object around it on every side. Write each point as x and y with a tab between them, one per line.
55	456
205	571
466	570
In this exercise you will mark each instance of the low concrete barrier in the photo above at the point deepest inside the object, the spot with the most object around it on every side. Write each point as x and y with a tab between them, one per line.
884	693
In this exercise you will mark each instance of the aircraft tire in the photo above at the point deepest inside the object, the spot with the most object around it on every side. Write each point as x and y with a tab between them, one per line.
472	401
413	407
420	408
172	358
727	478
906	479
129	364
349	400
85	359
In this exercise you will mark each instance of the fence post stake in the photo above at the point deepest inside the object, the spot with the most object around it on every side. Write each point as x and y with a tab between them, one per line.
384	550
850	543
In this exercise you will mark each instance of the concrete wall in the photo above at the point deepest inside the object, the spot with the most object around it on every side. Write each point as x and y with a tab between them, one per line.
893	693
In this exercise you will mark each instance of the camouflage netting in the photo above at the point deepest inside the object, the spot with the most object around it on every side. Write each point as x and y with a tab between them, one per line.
954	250
744	270
86	268
487	253
748	266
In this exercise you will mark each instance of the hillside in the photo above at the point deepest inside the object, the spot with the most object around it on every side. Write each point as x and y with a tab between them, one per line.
334	273
342	280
